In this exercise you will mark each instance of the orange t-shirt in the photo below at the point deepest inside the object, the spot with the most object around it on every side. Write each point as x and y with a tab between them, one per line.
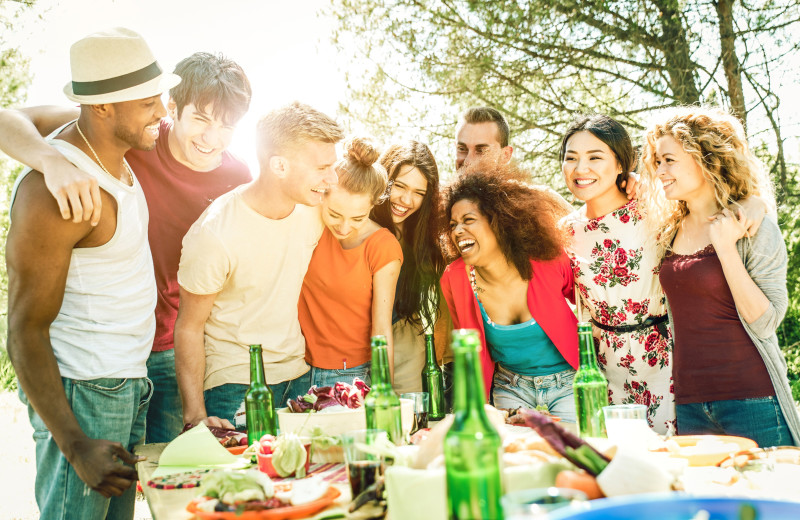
335	307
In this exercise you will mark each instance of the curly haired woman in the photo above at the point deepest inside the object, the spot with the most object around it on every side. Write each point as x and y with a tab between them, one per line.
511	283
726	293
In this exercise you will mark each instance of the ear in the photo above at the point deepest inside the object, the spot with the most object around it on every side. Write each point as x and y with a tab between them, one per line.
279	166
172	109
505	154
102	111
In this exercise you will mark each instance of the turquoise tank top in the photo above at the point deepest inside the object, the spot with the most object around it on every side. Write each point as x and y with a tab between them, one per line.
523	348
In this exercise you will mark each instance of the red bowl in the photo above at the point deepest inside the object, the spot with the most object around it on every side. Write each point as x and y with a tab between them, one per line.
265	463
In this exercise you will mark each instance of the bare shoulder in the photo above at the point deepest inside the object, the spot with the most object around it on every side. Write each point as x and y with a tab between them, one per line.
35	215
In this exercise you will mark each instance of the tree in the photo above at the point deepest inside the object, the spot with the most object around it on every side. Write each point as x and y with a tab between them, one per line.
543	61
14	79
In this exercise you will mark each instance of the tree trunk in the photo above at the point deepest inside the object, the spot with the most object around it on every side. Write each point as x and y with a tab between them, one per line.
677	54
730	61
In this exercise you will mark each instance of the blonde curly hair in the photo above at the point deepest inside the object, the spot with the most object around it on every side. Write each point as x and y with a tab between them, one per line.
717	142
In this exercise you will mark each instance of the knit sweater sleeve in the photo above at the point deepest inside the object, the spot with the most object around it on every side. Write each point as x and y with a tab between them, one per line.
765	259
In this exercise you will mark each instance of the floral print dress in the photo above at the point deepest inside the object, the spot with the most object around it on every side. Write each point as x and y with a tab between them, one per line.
617	276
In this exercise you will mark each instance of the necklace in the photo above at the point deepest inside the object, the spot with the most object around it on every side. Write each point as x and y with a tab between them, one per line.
473	281
127	168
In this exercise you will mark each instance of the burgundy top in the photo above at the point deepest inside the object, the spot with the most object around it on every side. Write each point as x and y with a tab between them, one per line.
176	196
714	358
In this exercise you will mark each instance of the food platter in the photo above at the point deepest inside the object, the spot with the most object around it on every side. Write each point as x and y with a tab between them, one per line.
709	450
280	513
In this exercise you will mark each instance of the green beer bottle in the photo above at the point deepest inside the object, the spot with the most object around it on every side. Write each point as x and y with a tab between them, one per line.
258	403
433	381
590	387
381	404
472	446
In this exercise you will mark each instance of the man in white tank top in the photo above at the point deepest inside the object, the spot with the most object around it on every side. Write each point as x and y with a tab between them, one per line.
81	297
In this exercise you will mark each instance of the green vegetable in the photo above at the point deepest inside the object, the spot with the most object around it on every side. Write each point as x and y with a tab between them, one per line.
588	457
231	487
289	455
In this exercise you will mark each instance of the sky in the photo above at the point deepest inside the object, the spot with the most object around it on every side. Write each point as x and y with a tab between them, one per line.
283	46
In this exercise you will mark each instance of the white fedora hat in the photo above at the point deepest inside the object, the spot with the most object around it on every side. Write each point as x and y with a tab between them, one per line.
115	66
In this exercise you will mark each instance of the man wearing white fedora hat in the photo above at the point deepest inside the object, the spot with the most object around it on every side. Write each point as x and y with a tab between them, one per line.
189	168
81	297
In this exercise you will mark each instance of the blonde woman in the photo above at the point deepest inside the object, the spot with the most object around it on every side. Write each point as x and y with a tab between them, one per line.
726	293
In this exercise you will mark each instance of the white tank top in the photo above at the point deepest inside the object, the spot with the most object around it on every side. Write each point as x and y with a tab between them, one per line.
106	325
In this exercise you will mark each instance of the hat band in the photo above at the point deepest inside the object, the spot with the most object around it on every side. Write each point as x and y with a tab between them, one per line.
104	86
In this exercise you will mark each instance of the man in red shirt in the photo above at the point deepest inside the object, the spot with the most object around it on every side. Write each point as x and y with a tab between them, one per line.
189	168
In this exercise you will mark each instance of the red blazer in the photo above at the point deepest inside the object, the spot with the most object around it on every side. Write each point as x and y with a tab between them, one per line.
552	281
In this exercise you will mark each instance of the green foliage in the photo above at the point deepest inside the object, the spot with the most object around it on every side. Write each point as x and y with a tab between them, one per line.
8	379
542	62
14	79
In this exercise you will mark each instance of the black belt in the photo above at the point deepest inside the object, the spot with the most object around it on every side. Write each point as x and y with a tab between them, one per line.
646	324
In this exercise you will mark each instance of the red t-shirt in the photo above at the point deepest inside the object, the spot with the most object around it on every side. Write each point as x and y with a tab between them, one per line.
176	196
335	308
714	358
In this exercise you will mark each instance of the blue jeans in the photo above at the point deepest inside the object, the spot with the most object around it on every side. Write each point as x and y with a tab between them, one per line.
759	419
510	390
329	377
165	415
227	401
108	408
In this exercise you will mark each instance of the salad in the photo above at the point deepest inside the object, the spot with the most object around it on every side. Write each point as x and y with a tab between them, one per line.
251	490
341	395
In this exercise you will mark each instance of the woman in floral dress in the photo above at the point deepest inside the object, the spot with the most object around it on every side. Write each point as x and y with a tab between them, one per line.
616	271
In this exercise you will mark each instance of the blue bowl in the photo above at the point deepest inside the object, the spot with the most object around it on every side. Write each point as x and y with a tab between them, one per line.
677	506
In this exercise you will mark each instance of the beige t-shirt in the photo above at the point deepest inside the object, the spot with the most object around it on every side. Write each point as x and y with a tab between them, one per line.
256	266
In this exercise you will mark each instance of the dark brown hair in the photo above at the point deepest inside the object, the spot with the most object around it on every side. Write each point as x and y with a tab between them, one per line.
613	134
212	79
524	218
423	262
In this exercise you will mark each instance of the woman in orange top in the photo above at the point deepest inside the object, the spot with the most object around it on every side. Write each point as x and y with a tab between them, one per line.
348	291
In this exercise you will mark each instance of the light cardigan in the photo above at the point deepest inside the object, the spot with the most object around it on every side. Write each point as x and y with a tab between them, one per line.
764	257
550	283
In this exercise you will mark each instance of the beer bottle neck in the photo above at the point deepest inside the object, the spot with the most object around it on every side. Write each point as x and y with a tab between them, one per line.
430	351
588	358
468	394
256	366
380	368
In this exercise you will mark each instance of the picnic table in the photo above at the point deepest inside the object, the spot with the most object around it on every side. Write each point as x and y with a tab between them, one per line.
170	504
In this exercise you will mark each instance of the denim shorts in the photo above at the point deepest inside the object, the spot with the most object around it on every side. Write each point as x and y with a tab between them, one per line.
510	390
227	401
329	377
108	408
760	419
165	415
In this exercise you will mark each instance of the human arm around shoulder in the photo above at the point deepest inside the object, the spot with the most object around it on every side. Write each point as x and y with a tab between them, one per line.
21	131
757	283
38	254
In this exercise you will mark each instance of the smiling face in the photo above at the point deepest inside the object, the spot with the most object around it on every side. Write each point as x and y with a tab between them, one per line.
679	173
198	139
345	213
590	167
137	122
472	234
309	171
480	143
408	193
